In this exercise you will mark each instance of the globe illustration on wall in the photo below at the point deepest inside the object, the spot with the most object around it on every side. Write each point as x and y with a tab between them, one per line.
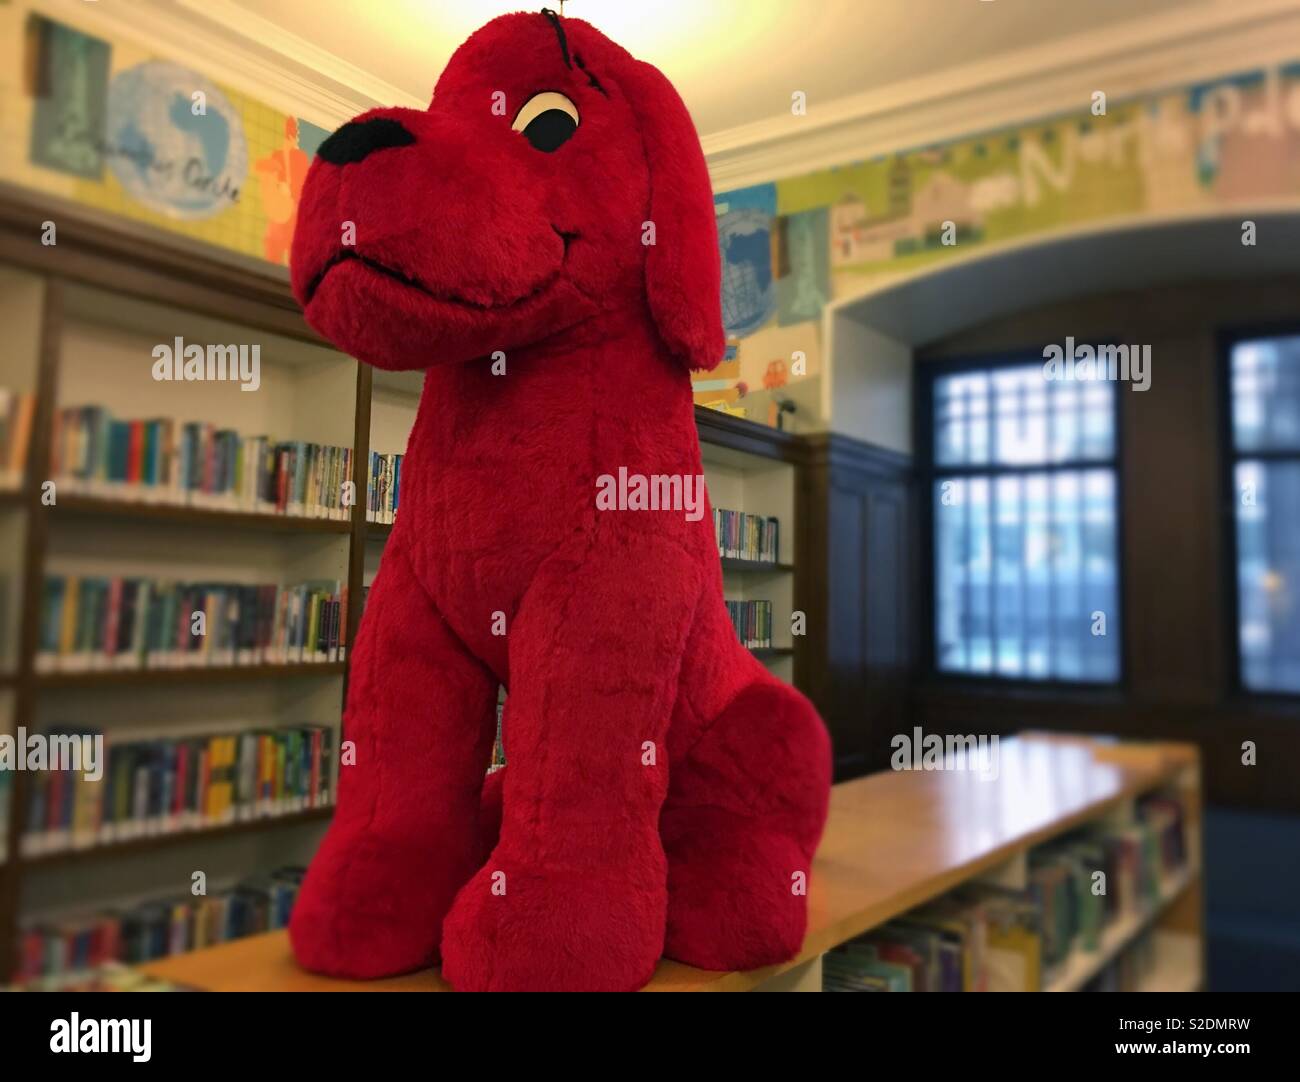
175	152
748	291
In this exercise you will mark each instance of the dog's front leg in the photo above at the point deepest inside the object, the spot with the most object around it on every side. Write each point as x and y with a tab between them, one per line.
420	721
574	896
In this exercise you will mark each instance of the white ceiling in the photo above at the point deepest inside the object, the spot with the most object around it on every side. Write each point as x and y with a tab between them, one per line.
735	62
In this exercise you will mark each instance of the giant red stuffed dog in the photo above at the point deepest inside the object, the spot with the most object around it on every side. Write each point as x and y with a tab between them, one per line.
542	241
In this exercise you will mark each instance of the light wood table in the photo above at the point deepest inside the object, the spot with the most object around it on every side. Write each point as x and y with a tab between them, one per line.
893	841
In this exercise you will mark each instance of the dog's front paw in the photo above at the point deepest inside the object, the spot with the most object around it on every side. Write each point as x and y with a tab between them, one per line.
368	909
520	927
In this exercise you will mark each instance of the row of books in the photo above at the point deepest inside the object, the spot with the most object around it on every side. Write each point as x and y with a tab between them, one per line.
16	412
94	622
1131	968
150	787
752	621
194	463
109	977
50	952
985	938
746	537
384	488
1083	885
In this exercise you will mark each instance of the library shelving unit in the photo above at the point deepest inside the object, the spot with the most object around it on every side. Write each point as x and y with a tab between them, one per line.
741	478
896	841
81	319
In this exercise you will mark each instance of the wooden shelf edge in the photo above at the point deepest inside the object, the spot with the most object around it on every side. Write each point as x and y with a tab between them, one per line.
137	677
265	962
748	437
144	511
731	563
176	837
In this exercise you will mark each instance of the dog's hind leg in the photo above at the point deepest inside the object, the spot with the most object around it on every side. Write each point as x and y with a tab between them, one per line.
404	838
745	810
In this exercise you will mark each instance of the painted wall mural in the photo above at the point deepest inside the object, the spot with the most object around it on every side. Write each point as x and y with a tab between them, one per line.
107	125
834	233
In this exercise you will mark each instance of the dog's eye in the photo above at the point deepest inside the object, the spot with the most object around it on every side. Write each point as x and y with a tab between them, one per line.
547	120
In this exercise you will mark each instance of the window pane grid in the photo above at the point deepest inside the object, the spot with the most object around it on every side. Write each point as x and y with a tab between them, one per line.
1025	531
1265	390
1014	417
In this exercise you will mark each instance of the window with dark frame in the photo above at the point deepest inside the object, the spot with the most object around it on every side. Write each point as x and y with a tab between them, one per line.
1025	525
1264	378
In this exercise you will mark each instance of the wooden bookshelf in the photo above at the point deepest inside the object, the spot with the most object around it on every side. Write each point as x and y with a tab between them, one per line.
1082	966
185	675
152	842
763	567
102	273
893	841
202	517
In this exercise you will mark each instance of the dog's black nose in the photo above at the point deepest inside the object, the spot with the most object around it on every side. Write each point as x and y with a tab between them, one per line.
360	138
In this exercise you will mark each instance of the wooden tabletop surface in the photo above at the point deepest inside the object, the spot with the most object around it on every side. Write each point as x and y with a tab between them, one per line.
893	841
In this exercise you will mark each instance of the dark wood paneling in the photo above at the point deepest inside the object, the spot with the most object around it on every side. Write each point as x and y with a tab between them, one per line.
860	502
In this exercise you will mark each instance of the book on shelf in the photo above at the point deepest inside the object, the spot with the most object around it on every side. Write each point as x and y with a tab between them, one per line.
165	786
91	622
384	487
16	412
108	977
753	622
1130	969
988	938
746	537
498	745
53	952
6	799
196	464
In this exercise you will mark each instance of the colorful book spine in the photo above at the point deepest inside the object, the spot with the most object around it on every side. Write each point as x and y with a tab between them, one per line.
193	463
753	622
6	800
96	622
151	787
746	537
384	487
985	938
16	412
51	951
498	745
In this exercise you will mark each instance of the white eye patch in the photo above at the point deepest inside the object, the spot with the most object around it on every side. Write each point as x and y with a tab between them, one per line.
547	120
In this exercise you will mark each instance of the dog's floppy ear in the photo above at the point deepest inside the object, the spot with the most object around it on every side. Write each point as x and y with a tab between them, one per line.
682	271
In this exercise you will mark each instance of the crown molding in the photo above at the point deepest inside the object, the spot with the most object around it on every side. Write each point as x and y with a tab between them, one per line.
1137	58
242	49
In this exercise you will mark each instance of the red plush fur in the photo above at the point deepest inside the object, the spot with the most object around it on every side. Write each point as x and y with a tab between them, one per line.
665	793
